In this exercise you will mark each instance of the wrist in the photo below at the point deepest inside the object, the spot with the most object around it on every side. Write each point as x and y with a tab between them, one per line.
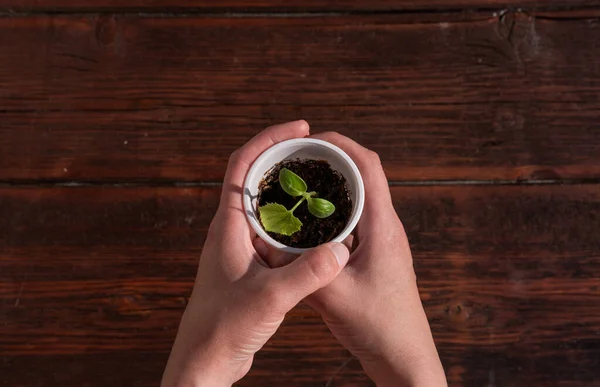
196	380
197	375
407	354
198	370
411	364
200	357
422	375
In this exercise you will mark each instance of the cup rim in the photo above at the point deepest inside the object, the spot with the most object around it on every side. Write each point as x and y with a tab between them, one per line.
360	193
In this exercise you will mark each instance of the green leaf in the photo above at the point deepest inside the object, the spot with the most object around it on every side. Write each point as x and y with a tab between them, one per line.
320	208
291	183
276	218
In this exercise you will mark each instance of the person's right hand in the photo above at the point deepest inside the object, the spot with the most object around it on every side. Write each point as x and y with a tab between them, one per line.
373	306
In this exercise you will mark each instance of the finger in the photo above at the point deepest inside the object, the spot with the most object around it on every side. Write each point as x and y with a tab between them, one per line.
271	256
355	243
349	242
241	160
378	201
231	212
368	163
310	272
261	247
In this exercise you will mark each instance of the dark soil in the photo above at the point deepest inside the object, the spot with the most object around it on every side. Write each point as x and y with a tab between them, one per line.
328	184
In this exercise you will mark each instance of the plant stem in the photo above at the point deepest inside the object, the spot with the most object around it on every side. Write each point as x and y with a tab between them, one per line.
297	204
305	196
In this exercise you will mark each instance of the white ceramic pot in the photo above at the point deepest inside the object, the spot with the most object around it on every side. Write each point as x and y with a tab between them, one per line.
303	148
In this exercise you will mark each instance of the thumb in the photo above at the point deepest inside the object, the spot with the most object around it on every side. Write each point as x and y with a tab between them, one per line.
310	272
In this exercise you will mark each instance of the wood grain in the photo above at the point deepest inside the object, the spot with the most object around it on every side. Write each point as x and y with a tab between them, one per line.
471	96
280	5
508	275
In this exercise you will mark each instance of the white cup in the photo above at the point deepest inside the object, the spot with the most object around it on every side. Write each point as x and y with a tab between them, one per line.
303	148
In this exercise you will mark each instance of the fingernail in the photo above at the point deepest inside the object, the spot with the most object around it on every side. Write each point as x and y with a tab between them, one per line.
341	253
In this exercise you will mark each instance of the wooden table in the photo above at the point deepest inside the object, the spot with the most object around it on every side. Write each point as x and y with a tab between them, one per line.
117	119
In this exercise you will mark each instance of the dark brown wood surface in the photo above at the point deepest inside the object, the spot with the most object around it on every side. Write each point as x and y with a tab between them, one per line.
509	276
117	119
477	96
281	5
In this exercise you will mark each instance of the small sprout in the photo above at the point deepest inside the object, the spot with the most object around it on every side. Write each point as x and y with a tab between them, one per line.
291	183
280	219
276	218
320	208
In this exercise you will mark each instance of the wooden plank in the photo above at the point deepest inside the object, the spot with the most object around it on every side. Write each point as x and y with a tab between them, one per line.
141	98
145	369
516	141
508	275
280	5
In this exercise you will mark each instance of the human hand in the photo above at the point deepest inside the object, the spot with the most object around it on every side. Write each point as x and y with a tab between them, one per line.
373	306
238	301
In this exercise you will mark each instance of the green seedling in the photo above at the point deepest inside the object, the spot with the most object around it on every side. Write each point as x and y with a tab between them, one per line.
278	219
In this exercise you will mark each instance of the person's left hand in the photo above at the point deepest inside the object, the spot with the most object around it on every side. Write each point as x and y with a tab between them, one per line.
238	302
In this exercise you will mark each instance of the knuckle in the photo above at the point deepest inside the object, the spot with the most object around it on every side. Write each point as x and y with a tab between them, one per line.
373	158
234	157
213	228
330	134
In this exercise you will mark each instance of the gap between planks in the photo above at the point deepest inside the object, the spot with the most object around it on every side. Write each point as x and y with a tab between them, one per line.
166	12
